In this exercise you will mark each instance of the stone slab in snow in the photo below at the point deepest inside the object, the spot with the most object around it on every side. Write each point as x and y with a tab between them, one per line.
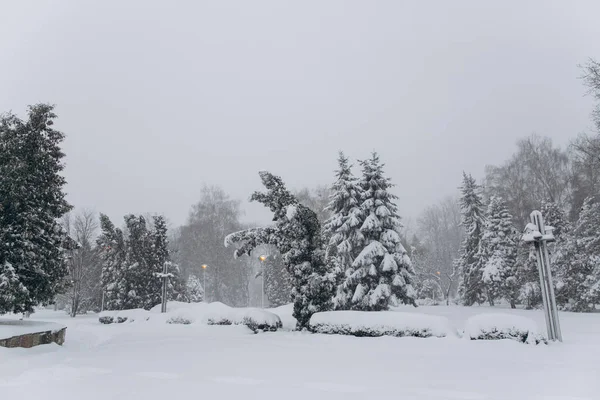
13	327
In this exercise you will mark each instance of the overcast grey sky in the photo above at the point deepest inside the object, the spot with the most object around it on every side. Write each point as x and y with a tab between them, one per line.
159	97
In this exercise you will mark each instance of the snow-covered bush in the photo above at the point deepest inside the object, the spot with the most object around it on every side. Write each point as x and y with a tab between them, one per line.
178	319
118	317
379	323
503	326
199	313
255	319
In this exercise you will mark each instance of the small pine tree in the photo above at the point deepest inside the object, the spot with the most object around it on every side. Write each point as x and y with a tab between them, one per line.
381	274
112	251
297	236
498	253
343	227
194	289
471	288
528	277
278	285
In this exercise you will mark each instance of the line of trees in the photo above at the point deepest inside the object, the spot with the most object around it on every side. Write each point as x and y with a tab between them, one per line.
493	263
341	247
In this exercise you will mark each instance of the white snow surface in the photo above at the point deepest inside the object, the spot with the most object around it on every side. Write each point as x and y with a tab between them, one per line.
10	327
149	361
380	321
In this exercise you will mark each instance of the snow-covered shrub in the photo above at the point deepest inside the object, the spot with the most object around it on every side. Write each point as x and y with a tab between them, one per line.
178	319
379	323
255	319
503	326
118	317
199	313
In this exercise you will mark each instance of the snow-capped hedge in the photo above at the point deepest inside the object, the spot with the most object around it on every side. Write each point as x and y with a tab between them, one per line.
199	313
118	317
380	323
496	326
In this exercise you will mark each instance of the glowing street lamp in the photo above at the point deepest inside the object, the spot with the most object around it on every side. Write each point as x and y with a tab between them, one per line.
262	259
204	266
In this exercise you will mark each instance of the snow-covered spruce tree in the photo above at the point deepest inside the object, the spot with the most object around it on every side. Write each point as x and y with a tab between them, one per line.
113	251
159	255
140	272
381	274
498	253
297	236
527	269
278	285
578	287
528	278
194	289
32	259
555	216
471	288
343	227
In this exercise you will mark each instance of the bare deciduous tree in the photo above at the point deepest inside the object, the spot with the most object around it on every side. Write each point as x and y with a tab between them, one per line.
441	235
84	291
537	172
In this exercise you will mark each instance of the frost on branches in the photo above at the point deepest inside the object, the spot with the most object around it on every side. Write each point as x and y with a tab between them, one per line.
498	254
381	274
471	288
297	236
32	254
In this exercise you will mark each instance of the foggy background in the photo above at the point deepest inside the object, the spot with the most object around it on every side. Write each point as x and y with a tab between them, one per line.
157	98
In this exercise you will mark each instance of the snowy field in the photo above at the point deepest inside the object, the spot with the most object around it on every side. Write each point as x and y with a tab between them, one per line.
160	361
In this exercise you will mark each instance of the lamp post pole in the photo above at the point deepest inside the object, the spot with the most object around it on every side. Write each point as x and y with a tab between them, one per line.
539	234
262	259
165	277
204	266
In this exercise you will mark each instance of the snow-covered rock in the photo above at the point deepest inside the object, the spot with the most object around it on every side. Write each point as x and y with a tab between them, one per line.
493	326
380	323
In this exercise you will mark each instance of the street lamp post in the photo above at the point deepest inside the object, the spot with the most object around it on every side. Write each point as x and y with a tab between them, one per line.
165	275
539	234
262	259
204	266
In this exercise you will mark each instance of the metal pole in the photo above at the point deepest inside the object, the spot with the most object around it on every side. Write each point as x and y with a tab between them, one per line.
205	291
553	307
546	284
262	301
163	308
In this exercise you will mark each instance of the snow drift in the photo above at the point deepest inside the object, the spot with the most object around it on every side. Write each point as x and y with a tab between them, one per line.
494	326
379	323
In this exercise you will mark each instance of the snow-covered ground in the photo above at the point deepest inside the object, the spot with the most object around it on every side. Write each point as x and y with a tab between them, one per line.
165	361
